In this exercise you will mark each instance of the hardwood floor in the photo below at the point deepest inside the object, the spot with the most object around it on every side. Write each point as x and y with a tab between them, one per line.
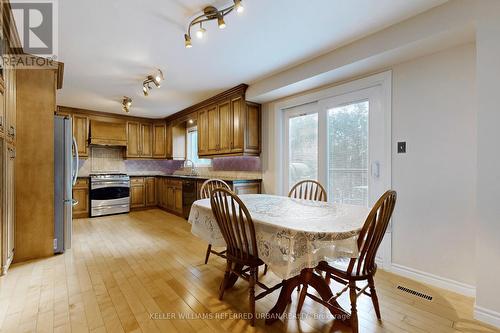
144	272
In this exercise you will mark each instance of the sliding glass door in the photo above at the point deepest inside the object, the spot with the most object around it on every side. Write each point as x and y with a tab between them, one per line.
341	142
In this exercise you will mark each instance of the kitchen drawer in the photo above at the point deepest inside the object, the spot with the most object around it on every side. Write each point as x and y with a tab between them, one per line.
175	183
136	180
82	182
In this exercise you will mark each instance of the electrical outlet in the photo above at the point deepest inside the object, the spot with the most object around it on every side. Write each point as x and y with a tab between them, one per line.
402	147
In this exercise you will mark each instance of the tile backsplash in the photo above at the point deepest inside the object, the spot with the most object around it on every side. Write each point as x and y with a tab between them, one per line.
110	159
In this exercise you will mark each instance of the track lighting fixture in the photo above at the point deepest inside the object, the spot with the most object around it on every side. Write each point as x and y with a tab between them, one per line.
156	79
211	13
126	103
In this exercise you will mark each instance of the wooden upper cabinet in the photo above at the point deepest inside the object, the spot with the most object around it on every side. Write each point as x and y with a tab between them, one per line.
159	141
225	128
169	144
146	140
253	128
81	134
133	139
228	125
203	133
213	129
238	125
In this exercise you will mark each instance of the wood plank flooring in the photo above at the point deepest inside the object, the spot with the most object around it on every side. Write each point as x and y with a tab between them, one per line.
144	272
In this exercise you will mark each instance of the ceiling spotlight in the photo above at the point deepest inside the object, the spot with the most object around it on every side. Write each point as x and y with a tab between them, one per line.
238	6
220	22
210	13
159	77
126	103
201	32
156	79
187	41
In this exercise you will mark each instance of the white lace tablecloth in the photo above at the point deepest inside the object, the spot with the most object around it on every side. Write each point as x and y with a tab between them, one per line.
291	234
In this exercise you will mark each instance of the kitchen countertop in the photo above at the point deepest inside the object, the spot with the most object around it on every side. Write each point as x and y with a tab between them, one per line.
161	174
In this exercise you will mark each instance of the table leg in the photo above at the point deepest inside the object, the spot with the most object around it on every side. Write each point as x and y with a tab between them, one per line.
307	276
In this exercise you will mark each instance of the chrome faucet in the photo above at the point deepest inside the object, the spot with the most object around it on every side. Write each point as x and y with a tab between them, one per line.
193	171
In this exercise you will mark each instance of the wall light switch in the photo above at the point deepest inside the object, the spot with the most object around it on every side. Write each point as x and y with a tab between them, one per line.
401	147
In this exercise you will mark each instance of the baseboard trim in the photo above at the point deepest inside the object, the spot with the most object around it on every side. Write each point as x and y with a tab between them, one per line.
487	316
434	280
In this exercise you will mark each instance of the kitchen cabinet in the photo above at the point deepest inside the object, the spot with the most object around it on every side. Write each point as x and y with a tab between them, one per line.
246	187
169	145
159	140
137	192
81	194
34	195
229	126
150	189
170	195
81	134
146	140
139	140
213	134
133	139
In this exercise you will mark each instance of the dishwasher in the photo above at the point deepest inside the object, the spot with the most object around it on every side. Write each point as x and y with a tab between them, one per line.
188	196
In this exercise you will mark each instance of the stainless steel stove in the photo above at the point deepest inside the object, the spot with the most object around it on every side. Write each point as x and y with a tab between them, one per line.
109	194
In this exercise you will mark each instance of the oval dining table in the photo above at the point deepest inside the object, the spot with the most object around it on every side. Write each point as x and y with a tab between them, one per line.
293	237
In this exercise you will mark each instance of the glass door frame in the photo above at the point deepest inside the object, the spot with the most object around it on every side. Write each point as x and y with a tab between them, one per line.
297	111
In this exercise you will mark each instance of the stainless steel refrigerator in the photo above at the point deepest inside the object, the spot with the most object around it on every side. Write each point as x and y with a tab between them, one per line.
65	172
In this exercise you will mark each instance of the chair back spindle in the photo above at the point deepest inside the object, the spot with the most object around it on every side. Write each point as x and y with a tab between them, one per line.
308	190
235	224
209	185
372	233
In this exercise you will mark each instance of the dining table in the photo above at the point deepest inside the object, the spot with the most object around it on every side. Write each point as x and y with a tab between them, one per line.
293	237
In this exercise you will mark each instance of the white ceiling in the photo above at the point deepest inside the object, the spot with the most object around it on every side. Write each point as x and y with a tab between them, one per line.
108	47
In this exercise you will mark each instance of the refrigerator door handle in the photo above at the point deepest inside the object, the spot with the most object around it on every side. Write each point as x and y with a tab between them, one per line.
75	167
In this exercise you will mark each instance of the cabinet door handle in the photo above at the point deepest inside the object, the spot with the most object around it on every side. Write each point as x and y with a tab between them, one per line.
1	121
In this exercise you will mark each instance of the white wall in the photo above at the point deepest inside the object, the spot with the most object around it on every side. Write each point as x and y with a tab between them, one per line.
434	110
488	189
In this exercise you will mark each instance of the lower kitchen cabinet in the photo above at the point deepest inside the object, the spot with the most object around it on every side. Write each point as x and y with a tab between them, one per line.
81	194
137	192
150	189
169	195
246	187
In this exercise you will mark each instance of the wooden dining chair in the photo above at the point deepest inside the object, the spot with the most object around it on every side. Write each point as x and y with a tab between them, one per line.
237	227
362	268
205	191
308	190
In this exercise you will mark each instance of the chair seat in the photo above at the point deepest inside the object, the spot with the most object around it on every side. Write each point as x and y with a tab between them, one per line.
252	261
339	268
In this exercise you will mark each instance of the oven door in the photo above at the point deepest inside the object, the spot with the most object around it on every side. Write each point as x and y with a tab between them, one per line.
106	193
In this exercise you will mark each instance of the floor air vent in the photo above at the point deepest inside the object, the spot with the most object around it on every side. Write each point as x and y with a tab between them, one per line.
415	293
